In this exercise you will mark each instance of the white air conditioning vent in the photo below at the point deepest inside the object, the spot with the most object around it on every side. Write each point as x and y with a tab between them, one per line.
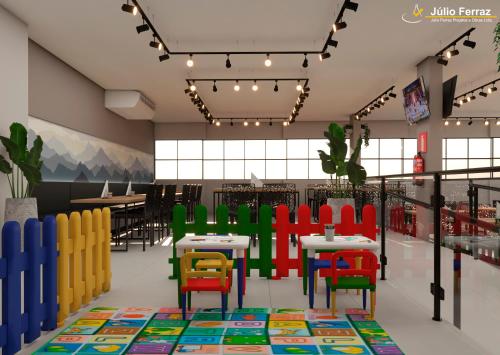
130	104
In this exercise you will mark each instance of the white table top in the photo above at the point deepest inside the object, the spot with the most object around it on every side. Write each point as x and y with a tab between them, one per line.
235	242
340	242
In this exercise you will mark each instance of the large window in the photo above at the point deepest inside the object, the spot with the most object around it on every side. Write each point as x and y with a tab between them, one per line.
469	153
388	156
239	159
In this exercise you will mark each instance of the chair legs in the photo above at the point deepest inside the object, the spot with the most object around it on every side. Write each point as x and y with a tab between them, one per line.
372	304
333	303
364	299
316	281
183	302
223	297
327	296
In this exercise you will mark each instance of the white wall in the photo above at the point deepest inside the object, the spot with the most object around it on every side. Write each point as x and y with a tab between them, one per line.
13	82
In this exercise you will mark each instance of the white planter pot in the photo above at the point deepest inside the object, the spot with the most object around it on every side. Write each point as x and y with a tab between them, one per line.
336	204
20	209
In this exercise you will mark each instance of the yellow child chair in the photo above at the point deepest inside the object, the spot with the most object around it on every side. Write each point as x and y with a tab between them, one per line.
204	280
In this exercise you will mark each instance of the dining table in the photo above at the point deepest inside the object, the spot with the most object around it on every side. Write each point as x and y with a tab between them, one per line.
238	243
124	200
313	244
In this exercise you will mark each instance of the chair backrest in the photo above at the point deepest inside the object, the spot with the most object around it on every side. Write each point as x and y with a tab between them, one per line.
198	193
187	270
368	267
168	200
150	199
185	194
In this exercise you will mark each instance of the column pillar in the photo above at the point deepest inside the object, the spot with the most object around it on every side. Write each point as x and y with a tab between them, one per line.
432	74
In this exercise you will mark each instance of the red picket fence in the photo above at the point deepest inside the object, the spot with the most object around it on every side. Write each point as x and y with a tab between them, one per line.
397	222
284	229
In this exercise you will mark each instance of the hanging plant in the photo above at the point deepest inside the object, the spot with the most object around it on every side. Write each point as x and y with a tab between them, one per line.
496	42
366	134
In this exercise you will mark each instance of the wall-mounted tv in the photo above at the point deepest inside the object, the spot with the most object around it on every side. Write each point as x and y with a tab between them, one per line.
449	96
415	102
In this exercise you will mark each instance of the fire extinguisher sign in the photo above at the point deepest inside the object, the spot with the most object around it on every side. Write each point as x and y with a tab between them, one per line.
422	142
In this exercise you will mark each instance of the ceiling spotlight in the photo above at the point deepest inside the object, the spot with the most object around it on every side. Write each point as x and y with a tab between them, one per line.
456	104
368	110
131	9
452	53
298	87
351	6
305	63
492	89
285	123
142	28
276	86
268	62
382	100
257	123
245	123
155	44
217	123
472	96
228	62
393	95
164	57
190	61
324	55
187	91
469	43
192	87
470	122
458	122
442	61
486	122
254	86
214	87
339	26
357	117
446	123
377	105
461	102
236	86
386	97
332	42
482	93
468	99
497	121
231	124
270	122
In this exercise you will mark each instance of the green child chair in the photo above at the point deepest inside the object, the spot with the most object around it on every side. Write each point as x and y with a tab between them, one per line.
362	278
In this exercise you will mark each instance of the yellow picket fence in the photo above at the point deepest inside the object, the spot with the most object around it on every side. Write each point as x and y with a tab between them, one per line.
84	261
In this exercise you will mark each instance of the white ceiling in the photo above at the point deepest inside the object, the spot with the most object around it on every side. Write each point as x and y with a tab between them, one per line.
375	51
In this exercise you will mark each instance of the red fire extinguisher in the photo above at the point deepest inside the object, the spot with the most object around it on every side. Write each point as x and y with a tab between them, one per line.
418	167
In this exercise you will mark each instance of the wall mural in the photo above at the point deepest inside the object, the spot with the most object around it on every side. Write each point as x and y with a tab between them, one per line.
69	155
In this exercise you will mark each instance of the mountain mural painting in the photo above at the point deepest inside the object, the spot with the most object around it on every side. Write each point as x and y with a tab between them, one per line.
69	155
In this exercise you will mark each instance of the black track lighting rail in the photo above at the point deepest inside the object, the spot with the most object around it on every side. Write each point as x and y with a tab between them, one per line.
469	117
379	100
348	4
454	43
305	80
479	88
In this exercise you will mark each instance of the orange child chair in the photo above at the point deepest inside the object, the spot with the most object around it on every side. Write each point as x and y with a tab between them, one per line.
204	280
362	278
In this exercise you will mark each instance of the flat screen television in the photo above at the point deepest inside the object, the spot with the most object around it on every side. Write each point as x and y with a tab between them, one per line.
449	96
415	102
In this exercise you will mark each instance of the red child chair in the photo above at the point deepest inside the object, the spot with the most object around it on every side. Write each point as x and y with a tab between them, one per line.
362	278
204	280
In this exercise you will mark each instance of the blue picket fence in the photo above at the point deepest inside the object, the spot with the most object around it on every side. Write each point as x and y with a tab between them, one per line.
40	249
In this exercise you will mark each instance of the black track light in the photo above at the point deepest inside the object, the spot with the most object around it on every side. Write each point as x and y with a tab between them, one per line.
324	55
470	122
351	6
333	43
472	97
187	91
456	104
306	89
377	105
164	57
231	124
214	87
483	94
131	9
270	123
305	63
276	86
155	44
469	43
442	61
228	62
386	98
339	26
452	53
393	95
492	89
142	28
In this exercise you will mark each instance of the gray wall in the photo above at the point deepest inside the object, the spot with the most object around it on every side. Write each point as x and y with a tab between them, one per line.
61	95
13	83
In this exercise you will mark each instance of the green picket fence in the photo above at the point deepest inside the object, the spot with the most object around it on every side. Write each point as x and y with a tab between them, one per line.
222	226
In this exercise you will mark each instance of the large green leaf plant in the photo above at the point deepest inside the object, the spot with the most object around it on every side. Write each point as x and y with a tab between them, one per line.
335	162
25	164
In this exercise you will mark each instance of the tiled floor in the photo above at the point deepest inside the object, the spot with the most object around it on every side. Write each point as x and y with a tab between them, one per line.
403	300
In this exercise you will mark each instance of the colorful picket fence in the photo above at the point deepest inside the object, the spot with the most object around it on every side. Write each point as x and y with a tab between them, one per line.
84	259
284	229
222	226
38	284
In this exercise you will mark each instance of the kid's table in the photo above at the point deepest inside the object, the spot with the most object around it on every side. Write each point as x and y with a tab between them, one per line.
317	243
239	243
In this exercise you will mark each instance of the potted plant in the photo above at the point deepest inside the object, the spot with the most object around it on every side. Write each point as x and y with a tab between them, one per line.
23	173
496	42
334	163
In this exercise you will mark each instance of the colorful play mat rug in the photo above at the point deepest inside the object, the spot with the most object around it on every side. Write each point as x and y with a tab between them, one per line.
107	330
